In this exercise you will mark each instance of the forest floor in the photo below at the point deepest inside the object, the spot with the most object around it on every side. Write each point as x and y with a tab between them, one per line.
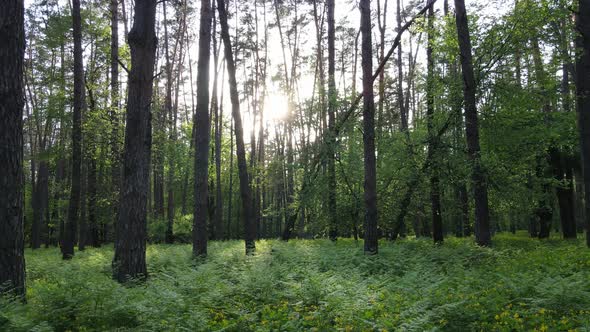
518	284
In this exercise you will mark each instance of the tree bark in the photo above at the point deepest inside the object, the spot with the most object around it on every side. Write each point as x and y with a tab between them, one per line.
12	48
332	211
202	134
40	204
129	261
245	190
437	226
480	189
371	245
582	97
114	111
79	105
218	114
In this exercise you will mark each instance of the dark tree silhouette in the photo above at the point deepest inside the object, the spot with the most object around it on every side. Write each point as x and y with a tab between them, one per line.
12	49
371	245
480	189
67	248
202	134
130	244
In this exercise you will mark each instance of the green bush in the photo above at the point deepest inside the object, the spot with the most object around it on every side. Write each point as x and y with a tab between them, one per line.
519	284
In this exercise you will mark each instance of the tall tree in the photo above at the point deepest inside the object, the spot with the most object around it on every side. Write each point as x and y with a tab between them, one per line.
130	244
479	185
218	133
437	229
202	133
371	245
114	111
12	50
67	248
333	229
583	98
245	190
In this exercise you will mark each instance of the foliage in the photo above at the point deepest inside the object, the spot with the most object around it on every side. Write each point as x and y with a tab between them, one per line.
520	284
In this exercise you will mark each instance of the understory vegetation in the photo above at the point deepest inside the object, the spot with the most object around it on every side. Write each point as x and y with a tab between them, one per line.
518	284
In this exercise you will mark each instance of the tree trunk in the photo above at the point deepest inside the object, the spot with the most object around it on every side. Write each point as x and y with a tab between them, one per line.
382	24
245	190
12	48
370	238
400	76
437	227
218	135
332	100
202	134
231	173
79	105
129	261
92	231
480	189
582	96
114	111
40	204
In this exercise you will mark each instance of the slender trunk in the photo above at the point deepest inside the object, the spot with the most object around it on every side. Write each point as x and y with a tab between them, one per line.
437	227
92	232
370	239
40	200
480	189
79	105
382	24
400	76
114	111
218	218
83	223
231	173
333	216
245	190
129	261
582	96
202	134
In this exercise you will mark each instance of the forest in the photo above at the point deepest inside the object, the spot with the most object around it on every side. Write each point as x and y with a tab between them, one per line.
294	165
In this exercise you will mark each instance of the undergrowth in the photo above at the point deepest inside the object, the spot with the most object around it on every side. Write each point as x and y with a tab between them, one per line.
411	285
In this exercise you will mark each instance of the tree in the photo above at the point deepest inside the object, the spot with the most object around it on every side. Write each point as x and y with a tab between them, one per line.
479	186
130	243
371	245
79	106
12	49
582	97
114	111
202	134
333	229
437	226
245	190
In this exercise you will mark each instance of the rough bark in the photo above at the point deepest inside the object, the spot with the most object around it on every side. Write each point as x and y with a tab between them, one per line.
369	131
12	48
479	185
202	134
129	261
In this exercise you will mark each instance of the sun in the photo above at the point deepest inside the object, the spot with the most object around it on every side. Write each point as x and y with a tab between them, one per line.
276	107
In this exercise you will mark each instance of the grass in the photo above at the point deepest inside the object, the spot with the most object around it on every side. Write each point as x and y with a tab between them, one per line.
519	284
